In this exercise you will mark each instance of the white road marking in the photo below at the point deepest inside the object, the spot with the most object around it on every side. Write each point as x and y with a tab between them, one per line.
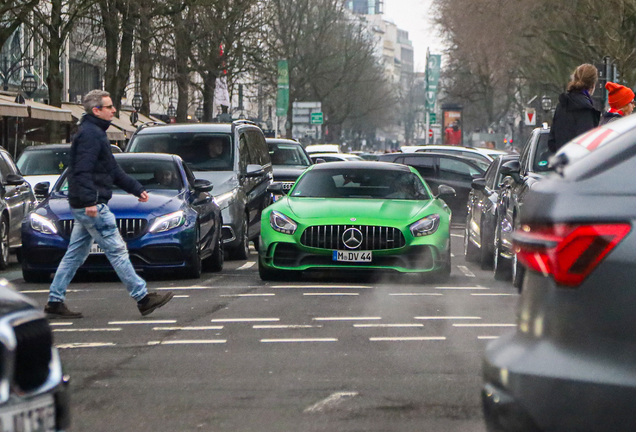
487	337
462	288
247	295
405	339
189	342
60	323
329	402
484	325
196	287
142	322
387	325
247	265
189	328
47	291
88	329
330	294
85	345
181	296
299	340
493	294
284	326
466	271
238	320
457	235
447	318
346	318
320	287
416	294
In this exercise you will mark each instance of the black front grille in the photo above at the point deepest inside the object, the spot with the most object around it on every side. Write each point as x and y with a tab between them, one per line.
33	354
373	237
128	228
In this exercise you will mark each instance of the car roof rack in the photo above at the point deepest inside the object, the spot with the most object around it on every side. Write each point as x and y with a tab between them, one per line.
148	124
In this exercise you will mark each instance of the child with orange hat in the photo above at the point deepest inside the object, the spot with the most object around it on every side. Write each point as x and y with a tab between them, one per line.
621	102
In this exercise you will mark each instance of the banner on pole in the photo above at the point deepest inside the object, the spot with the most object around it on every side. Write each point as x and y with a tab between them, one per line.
282	101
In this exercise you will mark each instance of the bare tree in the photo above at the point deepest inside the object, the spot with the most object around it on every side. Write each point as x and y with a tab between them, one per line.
13	13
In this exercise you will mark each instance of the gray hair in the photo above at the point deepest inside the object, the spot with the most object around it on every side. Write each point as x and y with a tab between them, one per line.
93	99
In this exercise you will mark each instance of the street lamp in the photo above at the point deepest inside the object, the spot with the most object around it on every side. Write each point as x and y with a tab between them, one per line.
137	101
29	84
198	113
172	111
546	103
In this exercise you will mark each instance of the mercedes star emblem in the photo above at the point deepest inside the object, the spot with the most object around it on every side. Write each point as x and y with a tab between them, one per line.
352	238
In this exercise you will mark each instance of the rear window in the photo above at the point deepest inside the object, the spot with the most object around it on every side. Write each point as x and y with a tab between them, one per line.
361	183
43	162
288	154
200	151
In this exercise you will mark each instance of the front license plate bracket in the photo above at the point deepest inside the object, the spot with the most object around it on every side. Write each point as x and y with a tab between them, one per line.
352	256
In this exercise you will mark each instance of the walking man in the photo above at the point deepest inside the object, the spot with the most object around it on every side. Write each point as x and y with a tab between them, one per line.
92	173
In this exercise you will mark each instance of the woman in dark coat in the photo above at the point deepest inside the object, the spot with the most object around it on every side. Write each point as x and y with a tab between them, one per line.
575	113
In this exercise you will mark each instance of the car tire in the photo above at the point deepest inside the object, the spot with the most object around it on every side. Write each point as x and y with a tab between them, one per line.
501	265
268	274
32	276
518	272
4	243
485	253
471	252
193	268
214	263
242	251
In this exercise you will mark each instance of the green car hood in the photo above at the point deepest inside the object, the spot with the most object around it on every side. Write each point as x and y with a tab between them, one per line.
363	210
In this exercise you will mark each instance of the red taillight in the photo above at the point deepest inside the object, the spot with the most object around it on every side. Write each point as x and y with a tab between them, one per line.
567	252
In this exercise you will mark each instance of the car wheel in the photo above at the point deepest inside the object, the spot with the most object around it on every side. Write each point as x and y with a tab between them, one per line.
4	243
501	265
268	274
517	273
471	252
32	276
193	269
485	252
214	263
242	251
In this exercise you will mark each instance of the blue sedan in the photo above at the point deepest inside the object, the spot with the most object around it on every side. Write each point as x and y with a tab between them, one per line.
178	230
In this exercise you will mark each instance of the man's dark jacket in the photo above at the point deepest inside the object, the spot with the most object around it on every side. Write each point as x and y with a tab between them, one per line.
92	168
573	116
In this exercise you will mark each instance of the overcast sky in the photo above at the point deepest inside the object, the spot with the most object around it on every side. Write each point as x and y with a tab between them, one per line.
412	16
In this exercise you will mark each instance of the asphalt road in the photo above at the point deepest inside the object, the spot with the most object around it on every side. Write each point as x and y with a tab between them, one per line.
326	353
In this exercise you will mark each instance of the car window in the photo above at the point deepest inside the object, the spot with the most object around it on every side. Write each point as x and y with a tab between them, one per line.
491	174
259	154
288	154
523	158
200	151
542	155
451	169
189	176
424	165
361	183
5	170
12	168
244	155
43	162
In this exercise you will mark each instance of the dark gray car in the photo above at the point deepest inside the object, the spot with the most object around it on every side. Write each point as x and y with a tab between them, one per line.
234	157
571	364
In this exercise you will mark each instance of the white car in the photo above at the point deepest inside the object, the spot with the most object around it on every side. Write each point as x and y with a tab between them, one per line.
334	157
322	148
485	155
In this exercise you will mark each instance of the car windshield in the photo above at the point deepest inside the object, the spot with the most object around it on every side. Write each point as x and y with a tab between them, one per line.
200	151
288	154
542	155
154	175
43	162
361	183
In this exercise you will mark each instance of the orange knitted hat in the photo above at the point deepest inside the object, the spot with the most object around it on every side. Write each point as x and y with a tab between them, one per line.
618	95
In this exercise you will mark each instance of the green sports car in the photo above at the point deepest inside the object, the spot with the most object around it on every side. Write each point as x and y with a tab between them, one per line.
356	215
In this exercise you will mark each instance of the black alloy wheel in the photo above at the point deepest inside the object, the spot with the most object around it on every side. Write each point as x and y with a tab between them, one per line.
242	251
4	243
193	269
471	252
214	263
485	252
501	265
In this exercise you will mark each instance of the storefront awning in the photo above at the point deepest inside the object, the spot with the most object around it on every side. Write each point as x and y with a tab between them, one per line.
125	116
40	111
113	133
12	109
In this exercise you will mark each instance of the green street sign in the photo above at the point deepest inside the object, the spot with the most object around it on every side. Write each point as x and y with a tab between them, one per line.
433	66
432	118
316	118
282	100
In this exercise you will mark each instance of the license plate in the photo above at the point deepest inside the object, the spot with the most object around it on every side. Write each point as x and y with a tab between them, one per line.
34	416
347	256
95	249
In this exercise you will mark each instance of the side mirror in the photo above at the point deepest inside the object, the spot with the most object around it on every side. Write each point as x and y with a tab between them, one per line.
443	190
254	170
14	180
201	185
114	149
41	190
510	168
479	184
320	160
276	189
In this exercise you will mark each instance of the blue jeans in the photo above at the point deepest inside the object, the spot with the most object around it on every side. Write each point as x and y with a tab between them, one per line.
103	230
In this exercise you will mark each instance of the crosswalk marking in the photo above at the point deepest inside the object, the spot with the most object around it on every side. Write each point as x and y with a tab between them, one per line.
330	294
112	329
142	322
240	320
484	325
192	328
466	271
189	342
85	345
284	326
247	265
299	340
346	318
404	339
447	318
387	325
416	294
247	295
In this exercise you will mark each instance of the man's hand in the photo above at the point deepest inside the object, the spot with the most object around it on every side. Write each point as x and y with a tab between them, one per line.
91	211
143	197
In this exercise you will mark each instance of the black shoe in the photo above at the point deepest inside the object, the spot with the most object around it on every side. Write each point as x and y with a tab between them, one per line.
59	310
152	301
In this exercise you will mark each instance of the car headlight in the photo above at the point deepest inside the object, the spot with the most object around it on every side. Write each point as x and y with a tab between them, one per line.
225	199
168	222
42	224
282	223
425	226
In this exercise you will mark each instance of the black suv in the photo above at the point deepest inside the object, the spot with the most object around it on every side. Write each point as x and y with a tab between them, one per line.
519	177
234	157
